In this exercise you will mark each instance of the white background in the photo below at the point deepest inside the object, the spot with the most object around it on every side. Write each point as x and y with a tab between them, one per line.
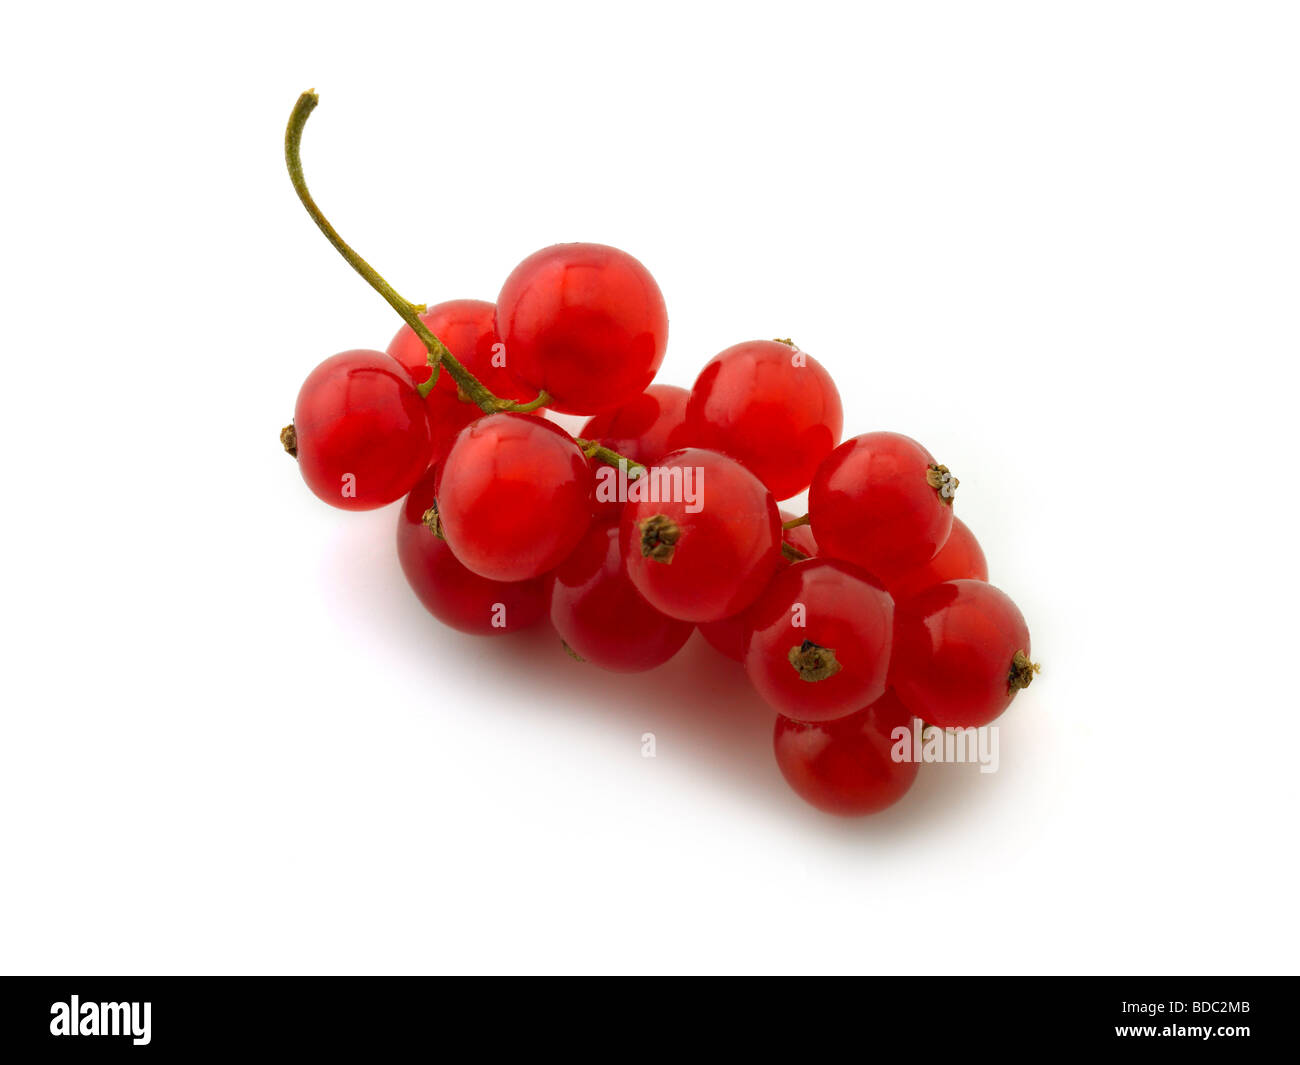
1055	242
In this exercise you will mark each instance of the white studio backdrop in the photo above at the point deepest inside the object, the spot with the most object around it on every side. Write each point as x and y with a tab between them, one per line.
1057	243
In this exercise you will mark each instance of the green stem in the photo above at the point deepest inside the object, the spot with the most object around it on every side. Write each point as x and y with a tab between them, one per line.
536	403
593	449
794	523
792	553
439	356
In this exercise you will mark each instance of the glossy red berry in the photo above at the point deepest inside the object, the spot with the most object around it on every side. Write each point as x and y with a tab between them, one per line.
771	407
961	652
730	635
846	766
638	430
703	536
881	502
514	496
361	431
819	641
960	558
601	617
585	322
468	329
447	417
449	591
800	537
727	636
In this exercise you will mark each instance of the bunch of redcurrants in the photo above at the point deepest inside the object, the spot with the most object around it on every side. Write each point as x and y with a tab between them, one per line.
852	621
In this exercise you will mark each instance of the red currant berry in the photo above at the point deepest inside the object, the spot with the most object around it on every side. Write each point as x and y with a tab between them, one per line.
640	431
701	535
585	322
514	496
800	537
601	617
819	641
881	502
771	407
729	635
447	417
468	329
961	652
961	558
360	430
847	767
449	591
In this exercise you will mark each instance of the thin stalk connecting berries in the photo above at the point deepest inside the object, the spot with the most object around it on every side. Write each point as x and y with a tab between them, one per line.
881	618
439	355
468	387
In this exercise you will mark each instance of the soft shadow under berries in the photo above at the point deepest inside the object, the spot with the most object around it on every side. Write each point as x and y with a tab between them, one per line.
858	623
